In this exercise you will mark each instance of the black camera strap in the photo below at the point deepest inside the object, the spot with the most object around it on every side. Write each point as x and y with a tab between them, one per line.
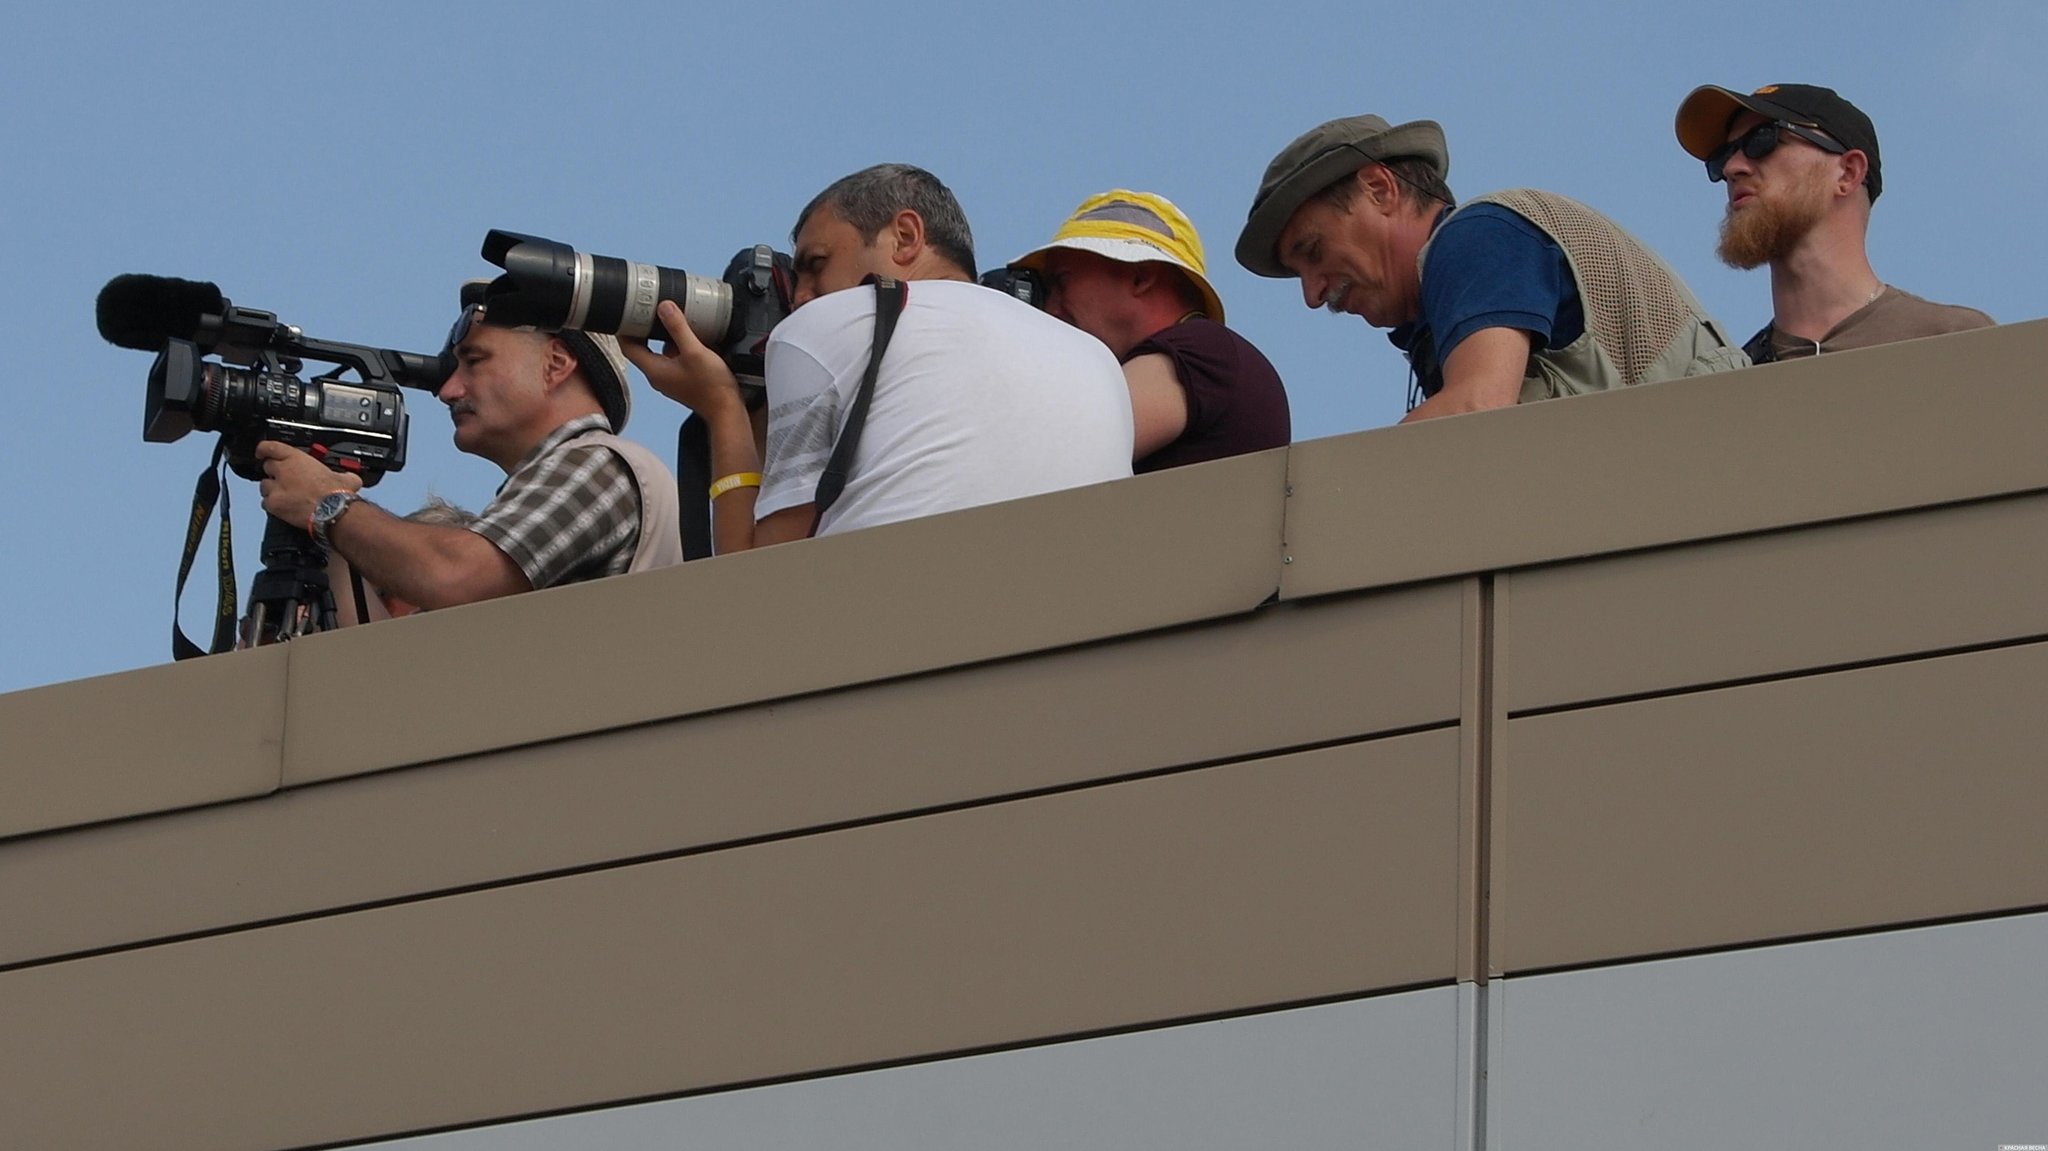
212	487
355	583
1762	348
890	298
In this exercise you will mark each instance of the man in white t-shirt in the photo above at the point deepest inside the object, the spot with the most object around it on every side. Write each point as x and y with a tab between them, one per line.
980	397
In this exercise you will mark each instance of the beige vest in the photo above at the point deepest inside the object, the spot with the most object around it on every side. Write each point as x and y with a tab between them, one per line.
1642	323
661	518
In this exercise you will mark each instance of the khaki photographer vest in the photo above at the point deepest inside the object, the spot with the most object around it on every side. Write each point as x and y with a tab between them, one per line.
661	531
1642	323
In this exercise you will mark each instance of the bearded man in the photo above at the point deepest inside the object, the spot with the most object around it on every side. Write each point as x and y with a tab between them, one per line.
1801	165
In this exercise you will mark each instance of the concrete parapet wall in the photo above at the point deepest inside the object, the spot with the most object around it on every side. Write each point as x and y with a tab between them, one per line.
1696	666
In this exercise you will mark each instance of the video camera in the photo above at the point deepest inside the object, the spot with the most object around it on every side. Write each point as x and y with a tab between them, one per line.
551	286
254	393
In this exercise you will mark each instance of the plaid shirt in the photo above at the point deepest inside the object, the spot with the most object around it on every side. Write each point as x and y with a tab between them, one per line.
566	514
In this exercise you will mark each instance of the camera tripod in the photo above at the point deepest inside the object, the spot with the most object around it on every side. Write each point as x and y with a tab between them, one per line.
291	596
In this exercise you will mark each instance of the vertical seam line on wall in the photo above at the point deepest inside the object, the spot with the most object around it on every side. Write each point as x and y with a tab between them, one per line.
1286	553
1482	929
1482	816
1478	724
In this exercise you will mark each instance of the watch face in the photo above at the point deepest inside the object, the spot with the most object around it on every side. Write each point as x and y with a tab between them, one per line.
328	510
330	507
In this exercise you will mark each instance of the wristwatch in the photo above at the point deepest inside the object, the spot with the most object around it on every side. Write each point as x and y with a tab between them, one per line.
327	511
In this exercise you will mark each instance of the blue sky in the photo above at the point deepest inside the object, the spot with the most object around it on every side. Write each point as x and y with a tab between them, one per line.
339	165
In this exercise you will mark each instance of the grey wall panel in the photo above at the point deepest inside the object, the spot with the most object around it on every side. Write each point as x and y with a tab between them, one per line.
1763	605
139	741
1279	678
1177	547
1853	799
1368	1073
1257	884
1685	460
1908	1039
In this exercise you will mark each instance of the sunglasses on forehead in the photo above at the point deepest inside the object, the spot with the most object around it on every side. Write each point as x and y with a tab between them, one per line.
471	315
1763	140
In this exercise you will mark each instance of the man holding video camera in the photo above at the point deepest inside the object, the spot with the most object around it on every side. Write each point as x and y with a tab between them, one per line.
978	397
578	502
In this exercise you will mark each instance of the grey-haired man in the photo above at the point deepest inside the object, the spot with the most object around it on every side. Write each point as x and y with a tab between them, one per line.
1520	295
578	502
979	397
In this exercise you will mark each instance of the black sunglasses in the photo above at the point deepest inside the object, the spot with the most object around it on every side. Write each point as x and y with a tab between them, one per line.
1761	141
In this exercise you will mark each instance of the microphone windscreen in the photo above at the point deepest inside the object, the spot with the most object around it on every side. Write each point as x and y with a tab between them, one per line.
143	312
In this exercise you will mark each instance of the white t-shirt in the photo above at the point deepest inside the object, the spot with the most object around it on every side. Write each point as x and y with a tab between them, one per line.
981	398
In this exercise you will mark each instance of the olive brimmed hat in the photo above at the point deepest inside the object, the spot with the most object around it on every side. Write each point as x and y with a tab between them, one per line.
1318	159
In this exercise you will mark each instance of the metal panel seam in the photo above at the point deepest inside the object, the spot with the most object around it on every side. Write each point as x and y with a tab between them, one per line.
779	836
1785	676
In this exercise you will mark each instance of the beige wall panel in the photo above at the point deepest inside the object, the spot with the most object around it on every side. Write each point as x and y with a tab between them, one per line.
1288	676
1862	798
1895	585
1321	873
1176	547
1790	443
138	741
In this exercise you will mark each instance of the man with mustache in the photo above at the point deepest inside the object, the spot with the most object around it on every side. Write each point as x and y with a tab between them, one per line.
1519	295
578	502
1802	171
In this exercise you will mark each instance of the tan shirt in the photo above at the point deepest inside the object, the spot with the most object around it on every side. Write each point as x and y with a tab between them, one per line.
1894	315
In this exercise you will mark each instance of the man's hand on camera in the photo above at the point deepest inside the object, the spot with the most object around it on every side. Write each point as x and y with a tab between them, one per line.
294	482
688	372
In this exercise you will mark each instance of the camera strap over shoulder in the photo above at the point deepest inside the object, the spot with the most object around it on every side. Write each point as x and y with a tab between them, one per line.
890	298
212	487
1762	348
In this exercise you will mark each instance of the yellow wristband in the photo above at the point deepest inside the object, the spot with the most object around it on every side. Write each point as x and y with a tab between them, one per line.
735	480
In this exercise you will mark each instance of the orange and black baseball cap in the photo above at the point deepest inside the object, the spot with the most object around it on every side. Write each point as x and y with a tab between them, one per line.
1704	118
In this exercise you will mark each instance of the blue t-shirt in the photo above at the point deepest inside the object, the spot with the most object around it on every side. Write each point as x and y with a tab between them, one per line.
1488	267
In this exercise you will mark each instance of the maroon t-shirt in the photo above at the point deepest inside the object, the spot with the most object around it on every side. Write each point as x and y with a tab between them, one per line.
1236	403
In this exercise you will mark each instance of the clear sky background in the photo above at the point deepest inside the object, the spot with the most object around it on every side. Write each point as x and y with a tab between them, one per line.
339	164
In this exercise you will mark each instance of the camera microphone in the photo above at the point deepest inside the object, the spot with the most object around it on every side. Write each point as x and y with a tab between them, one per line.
146	312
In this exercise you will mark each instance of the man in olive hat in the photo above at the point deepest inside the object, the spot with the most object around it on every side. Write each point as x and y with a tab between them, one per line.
1801	165
1519	295
578	502
1127	268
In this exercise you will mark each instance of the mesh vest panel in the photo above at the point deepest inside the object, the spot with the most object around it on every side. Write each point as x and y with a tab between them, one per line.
1635	305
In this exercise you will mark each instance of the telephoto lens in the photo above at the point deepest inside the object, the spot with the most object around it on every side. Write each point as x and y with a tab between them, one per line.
552	286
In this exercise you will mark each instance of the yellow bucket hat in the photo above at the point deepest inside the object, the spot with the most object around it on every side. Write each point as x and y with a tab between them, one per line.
1133	228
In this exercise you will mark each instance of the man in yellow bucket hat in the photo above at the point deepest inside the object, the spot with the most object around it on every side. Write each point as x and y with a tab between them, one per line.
1127	268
